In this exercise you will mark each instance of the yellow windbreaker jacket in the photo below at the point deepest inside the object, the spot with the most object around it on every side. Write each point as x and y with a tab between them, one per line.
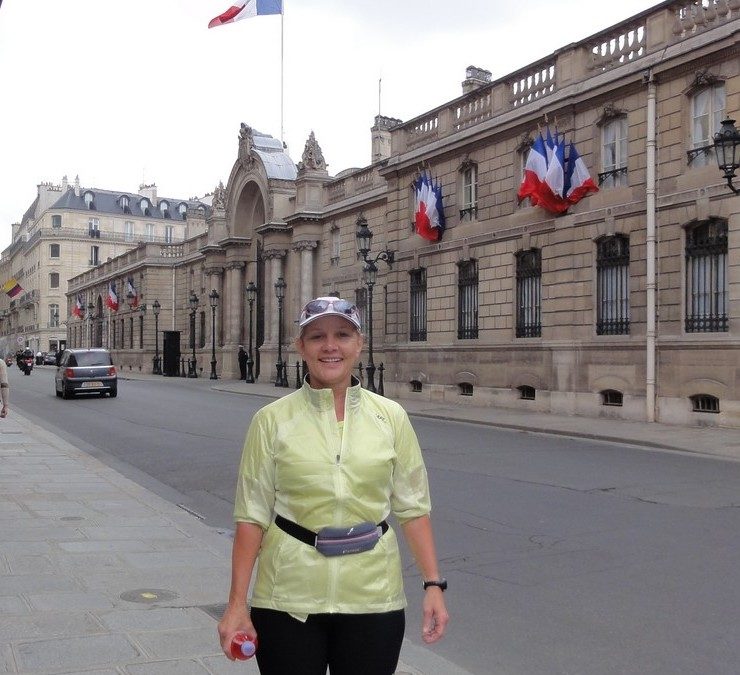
299	462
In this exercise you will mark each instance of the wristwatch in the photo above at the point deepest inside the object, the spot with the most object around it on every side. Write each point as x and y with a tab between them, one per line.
439	583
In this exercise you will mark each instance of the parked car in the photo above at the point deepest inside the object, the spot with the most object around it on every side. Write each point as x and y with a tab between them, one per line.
86	371
50	359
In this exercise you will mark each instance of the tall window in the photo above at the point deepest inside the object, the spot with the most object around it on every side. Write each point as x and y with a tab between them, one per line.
707	112
123	334
150	231
706	277
54	280
529	293
612	286
53	315
95	255
131	333
469	203
361	303
53	250
128	230
202	342
141	331
169	232
93	225
467	299
418	305
614	153
56	221
335	246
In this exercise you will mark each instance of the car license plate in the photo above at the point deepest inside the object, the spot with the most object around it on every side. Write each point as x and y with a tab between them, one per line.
91	385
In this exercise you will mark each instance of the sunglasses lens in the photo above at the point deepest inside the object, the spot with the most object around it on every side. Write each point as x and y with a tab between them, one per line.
315	307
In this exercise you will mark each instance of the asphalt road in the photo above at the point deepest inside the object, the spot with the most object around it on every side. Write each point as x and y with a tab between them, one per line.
563	555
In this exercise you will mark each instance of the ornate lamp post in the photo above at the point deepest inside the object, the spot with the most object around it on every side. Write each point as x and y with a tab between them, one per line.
727	149
251	297
213	297
281	380
156	367
193	300
369	276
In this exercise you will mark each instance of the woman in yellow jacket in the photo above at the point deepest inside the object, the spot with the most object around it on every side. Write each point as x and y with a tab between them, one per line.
321	470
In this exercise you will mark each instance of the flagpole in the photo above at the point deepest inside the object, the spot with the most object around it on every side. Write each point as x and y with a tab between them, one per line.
282	69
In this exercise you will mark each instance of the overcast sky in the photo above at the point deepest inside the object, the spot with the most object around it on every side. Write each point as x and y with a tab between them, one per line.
124	92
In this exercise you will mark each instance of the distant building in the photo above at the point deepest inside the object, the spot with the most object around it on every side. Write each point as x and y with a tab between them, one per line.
627	306
69	229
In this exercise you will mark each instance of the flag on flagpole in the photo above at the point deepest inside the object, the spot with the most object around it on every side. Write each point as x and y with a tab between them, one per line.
112	300
534	172
79	307
130	289
12	287
429	215
579	182
246	9
551	190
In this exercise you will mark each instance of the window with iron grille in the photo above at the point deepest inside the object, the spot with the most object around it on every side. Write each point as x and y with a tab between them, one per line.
415	386
467	299
612	286
526	393
706	277
131	332
614	153
141	332
528	293
361	304
704	403
469	202
418	305
466	389
707	112
202	341
611	397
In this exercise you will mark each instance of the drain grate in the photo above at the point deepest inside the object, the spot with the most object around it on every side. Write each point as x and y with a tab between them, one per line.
214	611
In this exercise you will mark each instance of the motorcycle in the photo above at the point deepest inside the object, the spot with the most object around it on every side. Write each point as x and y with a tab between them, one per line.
27	365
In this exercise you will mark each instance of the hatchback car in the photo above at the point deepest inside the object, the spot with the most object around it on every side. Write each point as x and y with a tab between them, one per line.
86	371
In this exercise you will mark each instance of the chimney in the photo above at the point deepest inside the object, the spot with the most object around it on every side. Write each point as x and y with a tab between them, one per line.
380	134
475	78
149	191
65	184
77	185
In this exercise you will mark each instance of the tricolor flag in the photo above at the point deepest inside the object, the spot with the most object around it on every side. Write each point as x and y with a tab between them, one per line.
534	171
246	9
12	287
112	300
130	289
79	307
429	215
552	188
579	182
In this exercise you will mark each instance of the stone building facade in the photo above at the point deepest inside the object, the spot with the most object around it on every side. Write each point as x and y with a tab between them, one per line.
627	305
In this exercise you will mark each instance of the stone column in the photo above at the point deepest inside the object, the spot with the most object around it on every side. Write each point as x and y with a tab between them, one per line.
275	259
306	250
232	303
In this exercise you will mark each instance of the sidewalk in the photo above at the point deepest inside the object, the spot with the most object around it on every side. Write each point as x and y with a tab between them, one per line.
99	575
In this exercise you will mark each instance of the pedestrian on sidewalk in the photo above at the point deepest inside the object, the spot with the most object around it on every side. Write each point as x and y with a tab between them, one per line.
242	358
4	388
321	470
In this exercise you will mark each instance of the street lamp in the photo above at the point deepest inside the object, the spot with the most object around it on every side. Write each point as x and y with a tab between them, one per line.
156	368
251	297
726	144
213	297
281	380
193	300
369	276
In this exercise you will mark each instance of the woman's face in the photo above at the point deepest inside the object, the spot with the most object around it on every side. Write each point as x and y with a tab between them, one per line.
330	346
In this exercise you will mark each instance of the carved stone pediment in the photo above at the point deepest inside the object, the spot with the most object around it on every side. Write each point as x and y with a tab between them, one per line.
313	158
246	145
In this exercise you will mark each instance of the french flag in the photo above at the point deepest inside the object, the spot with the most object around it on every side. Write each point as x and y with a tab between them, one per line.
246	9
578	181
553	187
112	300
534	172
78	308
131	290
429	216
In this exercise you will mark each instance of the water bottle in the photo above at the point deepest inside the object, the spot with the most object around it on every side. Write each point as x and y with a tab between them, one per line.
242	648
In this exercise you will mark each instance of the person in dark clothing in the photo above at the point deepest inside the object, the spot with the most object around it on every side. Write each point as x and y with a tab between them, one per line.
242	363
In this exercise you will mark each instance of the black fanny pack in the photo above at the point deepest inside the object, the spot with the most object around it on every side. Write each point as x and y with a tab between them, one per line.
332	541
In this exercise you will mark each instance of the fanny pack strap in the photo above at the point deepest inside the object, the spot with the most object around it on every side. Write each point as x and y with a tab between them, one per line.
305	535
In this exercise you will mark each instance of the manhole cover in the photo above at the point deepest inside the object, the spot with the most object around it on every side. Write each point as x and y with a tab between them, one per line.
214	611
148	595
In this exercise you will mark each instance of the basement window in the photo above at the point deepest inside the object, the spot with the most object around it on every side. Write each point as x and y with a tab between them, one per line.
415	385
611	397
705	403
466	389
526	393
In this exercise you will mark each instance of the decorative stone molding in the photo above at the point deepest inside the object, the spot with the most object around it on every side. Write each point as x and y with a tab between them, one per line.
219	198
214	271
235	265
246	144
702	80
610	113
313	158
274	253
304	245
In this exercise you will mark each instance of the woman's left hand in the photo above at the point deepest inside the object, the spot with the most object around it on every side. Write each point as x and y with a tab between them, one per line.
435	616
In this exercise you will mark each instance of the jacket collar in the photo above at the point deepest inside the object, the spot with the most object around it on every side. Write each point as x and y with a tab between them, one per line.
323	399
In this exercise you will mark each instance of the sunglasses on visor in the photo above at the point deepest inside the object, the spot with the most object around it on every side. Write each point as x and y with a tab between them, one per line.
320	306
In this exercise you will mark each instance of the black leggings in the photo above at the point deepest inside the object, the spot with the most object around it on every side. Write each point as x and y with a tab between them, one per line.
349	644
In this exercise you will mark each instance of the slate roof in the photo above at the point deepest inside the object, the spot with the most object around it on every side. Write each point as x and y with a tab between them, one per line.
276	161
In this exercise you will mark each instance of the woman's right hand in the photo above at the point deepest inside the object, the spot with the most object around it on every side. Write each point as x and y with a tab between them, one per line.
234	620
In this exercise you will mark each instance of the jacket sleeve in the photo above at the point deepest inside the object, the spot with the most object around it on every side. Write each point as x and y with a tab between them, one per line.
255	487
410	495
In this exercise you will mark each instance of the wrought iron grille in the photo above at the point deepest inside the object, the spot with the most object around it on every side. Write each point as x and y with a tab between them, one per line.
528	293
418	305
612	286
706	277
467	293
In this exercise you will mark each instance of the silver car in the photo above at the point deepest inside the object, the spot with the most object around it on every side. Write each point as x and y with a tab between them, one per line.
86	371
